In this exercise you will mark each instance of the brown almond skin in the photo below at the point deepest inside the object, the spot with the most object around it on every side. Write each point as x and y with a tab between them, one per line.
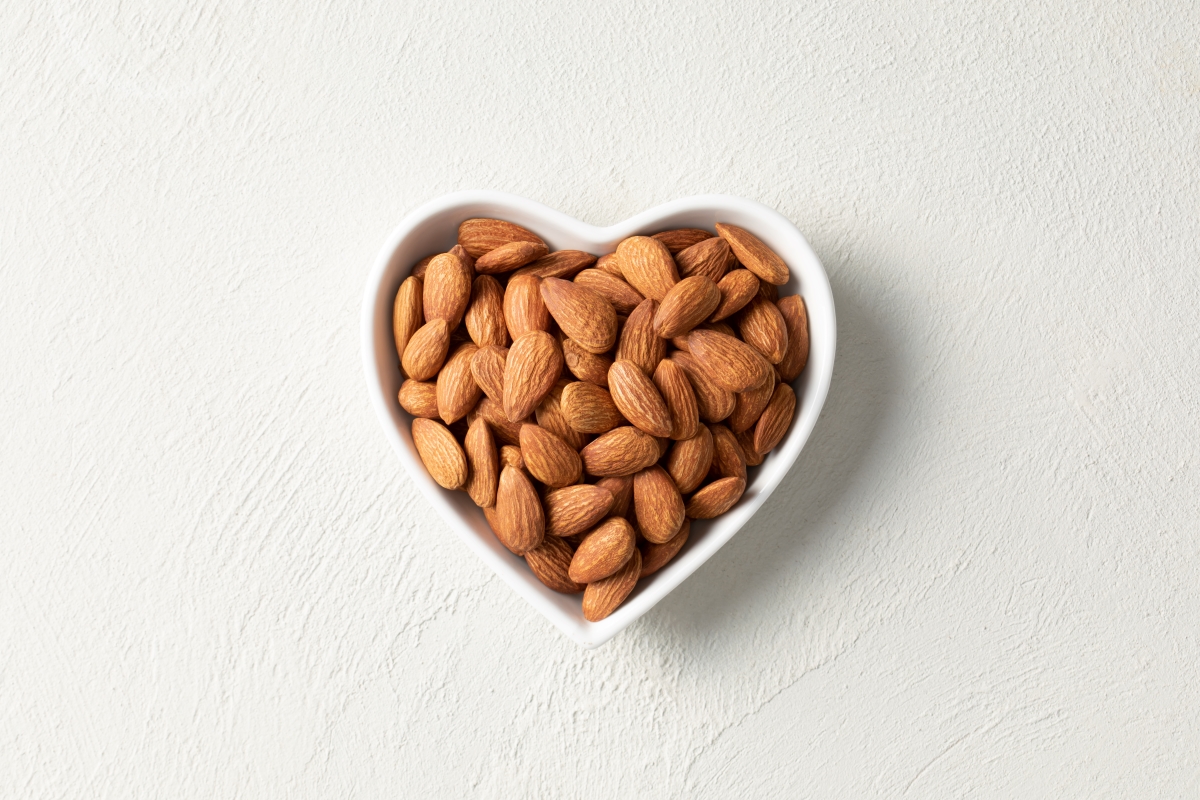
447	289
549	561
713	402
763	328
603	551
775	420
639	342
484	463
585	316
419	398
426	350
708	258
657	556
623	297
481	235
584	365
521	522
419	269
601	598
729	461
768	291
677	391
533	366
510	456
574	509
680	239
463	256
689	303
748	405
559	264
485	314
746	440
441	454
608	263
731	363
487	368
548	458
657	503
457	392
621	489
589	408
506	431
621	451
754	255
795	319
550	416
508	257
638	399
524	309
648	266
689	460
407	313
737	289
716	498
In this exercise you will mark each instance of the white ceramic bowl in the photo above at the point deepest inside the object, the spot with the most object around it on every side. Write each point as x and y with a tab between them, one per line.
433	228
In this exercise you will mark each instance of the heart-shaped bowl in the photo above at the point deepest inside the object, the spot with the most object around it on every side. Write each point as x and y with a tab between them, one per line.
433	228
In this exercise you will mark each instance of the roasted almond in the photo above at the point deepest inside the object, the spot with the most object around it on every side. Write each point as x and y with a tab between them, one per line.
485	314
621	451
639	343
713	402
621	489
479	236
457	392
520	523
681	239
623	297
508	257
737	289
447	289
677	391
763	328
589	408
550	416
548	458
510	456
716	498
708	258
419	268
583	315
559	264
746	440
524	310
549	561
689	303
754	255
729	461
689	460
531	370
748	405
608	263
506	431
795	318
407	316
603	551
732	364
574	509
601	598
484	463
487	368
584	365
657	556
776	419
419	398
657	503
463	256
647	266
440	453
426	350
638	400
768	291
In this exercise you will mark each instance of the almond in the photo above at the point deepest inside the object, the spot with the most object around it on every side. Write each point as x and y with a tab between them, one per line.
510	456
548	458
603	551
647	266
559	264
623	297
549	561
551	417
713	402
419	269
457	392
682	238
677	391
479	236
763	328
531	370
427	350
754	255
487	368
732	364
485	314
463	256
737	289
657	556
521	525
524	310
447	289
689	460
506	431
589	408
728	459
748	405
584	365
574	509
768	291
658	504
638	400
508	257
689	303
639	343
716	498
608	263
440	453
795	318
708	258
419	398
680	342
582	314
746	440
621	451
601	598
407	316
621	489
484	463
775	419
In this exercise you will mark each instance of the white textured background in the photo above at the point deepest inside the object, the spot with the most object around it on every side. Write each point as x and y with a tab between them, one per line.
982	578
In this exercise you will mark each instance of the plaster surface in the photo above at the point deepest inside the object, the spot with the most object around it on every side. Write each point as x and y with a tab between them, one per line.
981	579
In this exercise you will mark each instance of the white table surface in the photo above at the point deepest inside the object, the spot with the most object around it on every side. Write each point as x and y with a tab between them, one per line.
981	579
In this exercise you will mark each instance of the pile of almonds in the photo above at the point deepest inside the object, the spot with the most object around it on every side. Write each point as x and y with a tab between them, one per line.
659	372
